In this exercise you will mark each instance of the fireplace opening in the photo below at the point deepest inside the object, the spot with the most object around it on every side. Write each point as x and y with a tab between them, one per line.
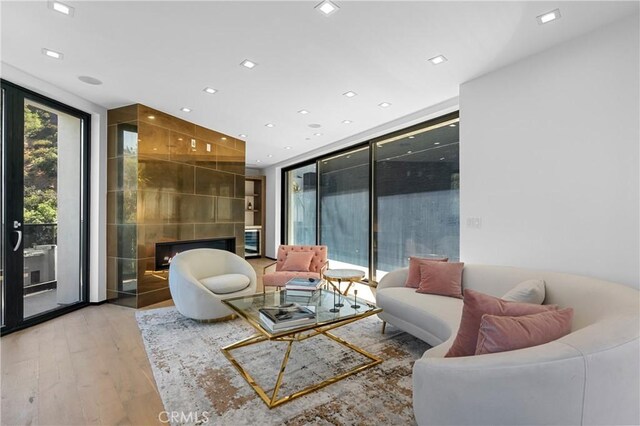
166	250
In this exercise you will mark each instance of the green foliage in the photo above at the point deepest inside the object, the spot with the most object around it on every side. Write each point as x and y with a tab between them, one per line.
40	165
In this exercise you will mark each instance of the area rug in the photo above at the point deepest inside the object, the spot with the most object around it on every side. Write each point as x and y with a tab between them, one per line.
197	382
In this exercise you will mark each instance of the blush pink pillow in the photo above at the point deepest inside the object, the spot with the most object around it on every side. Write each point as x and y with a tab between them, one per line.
477	304
413	278
298	261
500	334
441	278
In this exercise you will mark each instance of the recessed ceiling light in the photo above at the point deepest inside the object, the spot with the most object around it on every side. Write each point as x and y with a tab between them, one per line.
287	147
270	125
349	94
270	155
436	143
548	17
412	137
242	135
438	60
89	80
409	152
452	125
210	90
152	117
303	112
223	138
326	7
61	7
384	105
248	64
258	161
347	121
185	109
52	53
317	134
441	158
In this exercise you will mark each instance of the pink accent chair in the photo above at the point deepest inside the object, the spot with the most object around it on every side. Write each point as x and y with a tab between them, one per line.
279	278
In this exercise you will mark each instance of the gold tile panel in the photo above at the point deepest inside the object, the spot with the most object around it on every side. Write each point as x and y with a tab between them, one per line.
165	176
165	120
215	137
153	141
212	182
230	160
213	230
123	114
230	209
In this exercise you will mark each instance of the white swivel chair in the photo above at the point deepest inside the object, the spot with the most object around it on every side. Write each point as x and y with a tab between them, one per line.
200	279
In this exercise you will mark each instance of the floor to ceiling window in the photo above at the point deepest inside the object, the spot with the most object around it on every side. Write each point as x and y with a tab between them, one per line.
416	196
301	205
344	208
379	203
44	214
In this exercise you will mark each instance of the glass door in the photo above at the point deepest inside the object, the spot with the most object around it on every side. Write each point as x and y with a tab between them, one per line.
44	195
344	209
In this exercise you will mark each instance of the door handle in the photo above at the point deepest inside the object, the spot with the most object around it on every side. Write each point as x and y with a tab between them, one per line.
17	246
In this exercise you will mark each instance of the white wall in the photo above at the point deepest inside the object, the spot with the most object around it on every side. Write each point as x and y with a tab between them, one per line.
274	173
549	159
98	165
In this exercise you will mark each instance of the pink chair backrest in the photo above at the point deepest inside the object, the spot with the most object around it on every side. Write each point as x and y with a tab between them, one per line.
319	258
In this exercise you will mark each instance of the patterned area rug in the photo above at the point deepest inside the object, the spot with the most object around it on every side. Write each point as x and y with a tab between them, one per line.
196	380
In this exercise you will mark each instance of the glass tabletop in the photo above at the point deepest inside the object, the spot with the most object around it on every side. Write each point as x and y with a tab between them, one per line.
321	301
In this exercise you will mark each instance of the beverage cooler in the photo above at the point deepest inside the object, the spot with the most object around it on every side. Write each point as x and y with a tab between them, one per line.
252	238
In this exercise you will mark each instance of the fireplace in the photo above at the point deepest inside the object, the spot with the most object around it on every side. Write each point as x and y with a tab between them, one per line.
166	250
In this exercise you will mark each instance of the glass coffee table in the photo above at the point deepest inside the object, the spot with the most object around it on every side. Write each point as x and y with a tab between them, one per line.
323	302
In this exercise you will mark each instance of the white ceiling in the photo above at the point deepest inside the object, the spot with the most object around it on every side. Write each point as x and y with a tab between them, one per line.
163	54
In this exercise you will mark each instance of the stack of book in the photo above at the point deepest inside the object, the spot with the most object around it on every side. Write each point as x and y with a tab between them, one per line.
302	286
288	315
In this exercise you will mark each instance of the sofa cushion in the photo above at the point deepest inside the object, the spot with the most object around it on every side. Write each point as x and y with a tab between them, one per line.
281	278
500	333
413	278
529	291
477	304
441	278
297	261
438	314
227	283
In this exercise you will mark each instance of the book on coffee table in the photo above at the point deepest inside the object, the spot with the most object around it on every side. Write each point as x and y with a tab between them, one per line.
300	286
286	316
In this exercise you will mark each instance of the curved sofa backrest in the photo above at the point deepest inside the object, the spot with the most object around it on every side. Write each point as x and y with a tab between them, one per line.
202	263
592	299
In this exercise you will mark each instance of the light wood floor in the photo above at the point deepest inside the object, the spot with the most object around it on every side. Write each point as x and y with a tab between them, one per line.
87	367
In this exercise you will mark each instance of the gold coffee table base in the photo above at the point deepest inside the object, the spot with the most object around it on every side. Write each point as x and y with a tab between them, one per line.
273	400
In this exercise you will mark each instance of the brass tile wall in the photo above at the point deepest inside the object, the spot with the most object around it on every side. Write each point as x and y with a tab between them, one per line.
168	180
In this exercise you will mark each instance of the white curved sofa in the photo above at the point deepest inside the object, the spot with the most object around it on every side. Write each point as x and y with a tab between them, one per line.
191	270
591	376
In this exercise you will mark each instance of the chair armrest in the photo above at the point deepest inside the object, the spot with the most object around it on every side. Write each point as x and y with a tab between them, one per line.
264	270
323	268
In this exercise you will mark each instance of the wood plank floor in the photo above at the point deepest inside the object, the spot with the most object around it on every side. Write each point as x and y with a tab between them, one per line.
88	367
